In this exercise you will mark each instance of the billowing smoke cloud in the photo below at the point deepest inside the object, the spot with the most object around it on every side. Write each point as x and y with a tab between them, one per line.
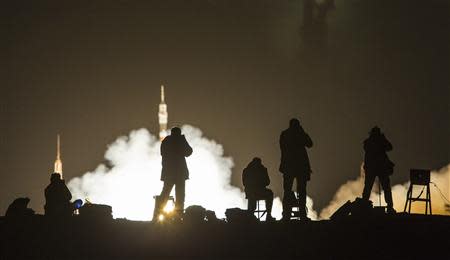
440	184
132	177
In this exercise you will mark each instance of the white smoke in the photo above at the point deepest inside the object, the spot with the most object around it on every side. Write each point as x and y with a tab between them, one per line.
132	177
352	189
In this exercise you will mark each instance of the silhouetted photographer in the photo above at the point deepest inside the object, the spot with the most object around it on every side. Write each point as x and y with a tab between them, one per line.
18	209
377	164
295	165
57	198
174	149
255	179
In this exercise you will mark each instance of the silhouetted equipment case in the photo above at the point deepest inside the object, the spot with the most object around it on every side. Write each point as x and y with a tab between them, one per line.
96	211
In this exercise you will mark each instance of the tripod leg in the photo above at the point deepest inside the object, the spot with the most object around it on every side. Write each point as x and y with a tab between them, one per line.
410	198
257	209
407	199
429	198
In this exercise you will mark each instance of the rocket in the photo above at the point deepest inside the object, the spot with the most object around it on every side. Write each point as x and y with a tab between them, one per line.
162	116
58	162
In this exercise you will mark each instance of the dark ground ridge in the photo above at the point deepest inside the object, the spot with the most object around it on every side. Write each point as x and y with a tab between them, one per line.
383	237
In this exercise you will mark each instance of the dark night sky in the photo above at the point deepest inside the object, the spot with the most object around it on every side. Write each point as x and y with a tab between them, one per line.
239	70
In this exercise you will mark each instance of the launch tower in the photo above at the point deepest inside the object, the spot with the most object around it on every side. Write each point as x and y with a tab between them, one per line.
162	116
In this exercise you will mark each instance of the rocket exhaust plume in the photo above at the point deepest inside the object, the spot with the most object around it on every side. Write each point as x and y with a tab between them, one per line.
133	177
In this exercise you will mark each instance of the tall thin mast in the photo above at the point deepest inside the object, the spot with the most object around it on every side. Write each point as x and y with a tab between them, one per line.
162	116
58	162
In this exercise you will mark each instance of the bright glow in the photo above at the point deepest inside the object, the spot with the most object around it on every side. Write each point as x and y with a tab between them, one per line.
170	206
133	177
161	217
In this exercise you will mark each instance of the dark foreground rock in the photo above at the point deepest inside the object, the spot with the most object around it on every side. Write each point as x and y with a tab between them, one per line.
389	237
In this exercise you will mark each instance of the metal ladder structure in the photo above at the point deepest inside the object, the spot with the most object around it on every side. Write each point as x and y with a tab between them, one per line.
419	177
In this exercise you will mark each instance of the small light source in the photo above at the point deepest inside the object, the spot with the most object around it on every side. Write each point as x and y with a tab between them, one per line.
78	203
161	217
170	206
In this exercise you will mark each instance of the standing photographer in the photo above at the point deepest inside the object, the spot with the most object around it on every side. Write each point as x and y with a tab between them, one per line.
377	164
174	149
295	165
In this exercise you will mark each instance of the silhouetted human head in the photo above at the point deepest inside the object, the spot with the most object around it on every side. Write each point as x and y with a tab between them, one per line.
256	160
375	131
294	123
55	177
176	131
